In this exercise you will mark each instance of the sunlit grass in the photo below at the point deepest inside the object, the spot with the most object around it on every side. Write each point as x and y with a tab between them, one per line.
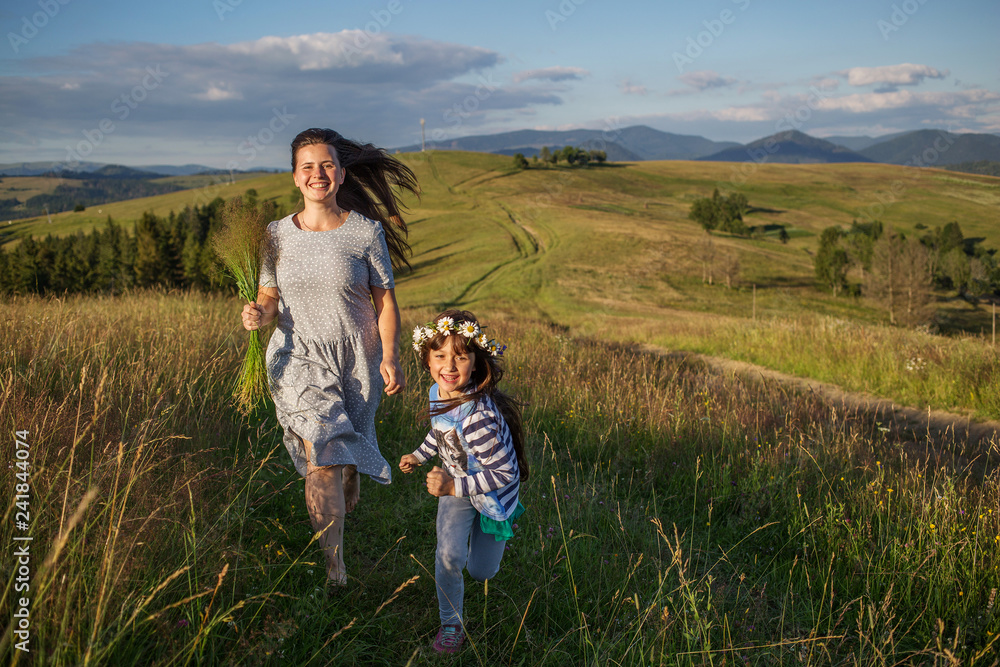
674	518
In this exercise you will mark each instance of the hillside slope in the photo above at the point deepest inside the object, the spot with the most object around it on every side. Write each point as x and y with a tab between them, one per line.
616	240
935	148
640	140
609	252
646	200
791	147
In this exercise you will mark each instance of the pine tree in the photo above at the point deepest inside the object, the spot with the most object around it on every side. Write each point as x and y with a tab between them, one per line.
151	264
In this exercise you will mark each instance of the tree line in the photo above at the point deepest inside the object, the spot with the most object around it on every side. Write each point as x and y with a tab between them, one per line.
571	155
902	271
172	252
725	214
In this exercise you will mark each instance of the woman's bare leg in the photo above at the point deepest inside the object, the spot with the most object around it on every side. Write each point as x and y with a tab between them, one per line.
352	488
325	503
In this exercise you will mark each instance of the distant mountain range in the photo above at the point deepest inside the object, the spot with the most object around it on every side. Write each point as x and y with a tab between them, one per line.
631	144
150	171
931	148
934	148
636	143
791	147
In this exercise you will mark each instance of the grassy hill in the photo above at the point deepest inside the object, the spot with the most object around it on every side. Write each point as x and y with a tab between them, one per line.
619	235
23	188
791	147
805	198
200	189
675	516
935	147
608	252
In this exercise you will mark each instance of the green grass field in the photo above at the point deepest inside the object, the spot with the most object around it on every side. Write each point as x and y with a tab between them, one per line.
675	516
609	253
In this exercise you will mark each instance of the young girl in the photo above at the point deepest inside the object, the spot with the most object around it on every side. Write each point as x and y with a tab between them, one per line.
476	430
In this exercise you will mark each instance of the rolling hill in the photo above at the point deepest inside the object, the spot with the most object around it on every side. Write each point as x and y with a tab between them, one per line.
791	147
25	196
640	142
637	142
935	148
615	237
41	168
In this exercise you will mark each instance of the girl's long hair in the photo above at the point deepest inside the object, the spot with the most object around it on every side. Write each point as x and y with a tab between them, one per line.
485	379
371	185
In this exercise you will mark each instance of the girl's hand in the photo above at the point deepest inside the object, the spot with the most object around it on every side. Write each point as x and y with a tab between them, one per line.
440	483
252	315
408	463
392	375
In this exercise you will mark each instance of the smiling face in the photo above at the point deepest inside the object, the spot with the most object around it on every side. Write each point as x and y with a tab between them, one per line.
318	174
450	369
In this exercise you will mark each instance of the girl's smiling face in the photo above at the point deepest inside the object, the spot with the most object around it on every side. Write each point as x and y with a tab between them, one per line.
451	370
318	174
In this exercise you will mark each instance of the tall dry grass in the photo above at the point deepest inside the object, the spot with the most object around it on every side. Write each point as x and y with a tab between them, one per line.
674	518
124	402
910	366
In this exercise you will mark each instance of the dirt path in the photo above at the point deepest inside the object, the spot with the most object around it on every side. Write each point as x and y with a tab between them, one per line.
933	434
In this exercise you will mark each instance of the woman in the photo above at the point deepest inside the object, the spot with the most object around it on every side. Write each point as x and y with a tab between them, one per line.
331	288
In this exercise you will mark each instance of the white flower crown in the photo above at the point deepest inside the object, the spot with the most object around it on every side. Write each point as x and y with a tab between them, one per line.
447	326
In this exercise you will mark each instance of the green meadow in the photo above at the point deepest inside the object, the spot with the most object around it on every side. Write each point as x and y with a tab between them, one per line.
675	516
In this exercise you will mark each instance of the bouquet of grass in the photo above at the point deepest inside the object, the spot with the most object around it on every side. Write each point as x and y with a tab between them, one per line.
243	244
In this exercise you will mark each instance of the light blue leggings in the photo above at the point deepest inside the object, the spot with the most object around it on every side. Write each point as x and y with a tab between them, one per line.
461	544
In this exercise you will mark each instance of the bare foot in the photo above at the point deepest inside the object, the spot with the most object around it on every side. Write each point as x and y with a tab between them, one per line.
336	572
352	488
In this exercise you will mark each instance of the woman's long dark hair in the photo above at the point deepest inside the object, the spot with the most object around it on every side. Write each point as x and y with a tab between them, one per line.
371	185
486	376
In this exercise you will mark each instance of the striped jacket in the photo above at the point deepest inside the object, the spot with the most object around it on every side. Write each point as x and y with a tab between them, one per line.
476	449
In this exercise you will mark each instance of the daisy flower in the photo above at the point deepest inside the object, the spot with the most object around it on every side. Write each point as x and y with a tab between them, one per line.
469	329
446	325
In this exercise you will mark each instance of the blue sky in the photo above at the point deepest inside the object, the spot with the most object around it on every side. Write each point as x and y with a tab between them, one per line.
228	83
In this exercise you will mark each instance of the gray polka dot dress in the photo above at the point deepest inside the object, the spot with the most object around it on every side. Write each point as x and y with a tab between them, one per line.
323	358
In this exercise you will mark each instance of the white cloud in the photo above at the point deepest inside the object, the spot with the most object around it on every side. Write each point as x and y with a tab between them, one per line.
807	108
826	83
212	96
218	92
744	114
629	88
706	79
551	74
824	113
906	74
903	99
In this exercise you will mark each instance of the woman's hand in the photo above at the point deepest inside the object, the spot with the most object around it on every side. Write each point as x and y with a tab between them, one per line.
387	313
440	483
392	375
258	314
408	463
252	316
